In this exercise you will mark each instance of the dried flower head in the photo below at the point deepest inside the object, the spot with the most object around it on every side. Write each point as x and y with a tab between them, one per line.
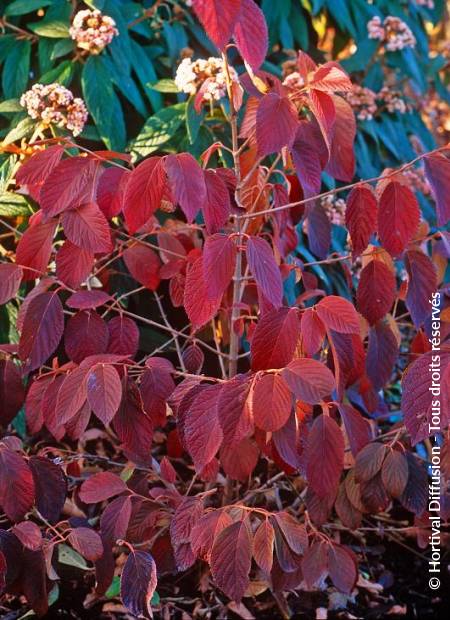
207	76
92	30
294	80
53	104
393	32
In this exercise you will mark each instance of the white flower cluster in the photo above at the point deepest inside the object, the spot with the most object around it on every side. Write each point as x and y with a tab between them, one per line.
363	102
393	100
92	30
294	80
429	4
393	32
208	75
53	104
335	209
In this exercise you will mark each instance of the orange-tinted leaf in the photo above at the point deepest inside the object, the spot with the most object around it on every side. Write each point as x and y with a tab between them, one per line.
271	402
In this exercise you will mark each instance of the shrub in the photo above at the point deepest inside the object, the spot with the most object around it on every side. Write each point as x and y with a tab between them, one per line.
226	347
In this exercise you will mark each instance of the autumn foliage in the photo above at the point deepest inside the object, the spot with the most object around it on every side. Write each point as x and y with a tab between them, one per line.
145	464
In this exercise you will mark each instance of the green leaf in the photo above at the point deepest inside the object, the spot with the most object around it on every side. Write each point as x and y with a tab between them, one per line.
22	129
165	85
16	70
22	7
193	120
114	588
54	29
155	600
14	205
103	103
68	556
10	105
62	74
61	48
53	595
19	424
158	130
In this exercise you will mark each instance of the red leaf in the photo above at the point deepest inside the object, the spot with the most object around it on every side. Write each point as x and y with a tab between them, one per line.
271	402
35	247
216	209
143	264
275	339
138	583
315	563
263	546
39	166
115	519
331	78
361	217
100	487
206	530
240	459
382	354
376	291
193	358
71	184
318	229
293	532
87	542
394	473
42	329
156	386
187	182
123	336
398	217
87	227
417	397
309	379
250	33
324	455
200	308
186	516
73	264
51	487
218	18
369	460
232	410
262	264
342	567
144	192
342	156
86	334
111	191
422	283
16	485
437	171
29	535
309	154
12	391
202	431
313	331
72	395
358	429
338	314
219	258
86	300
10	277
323	108
276	123
133	426
231	558
104	391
